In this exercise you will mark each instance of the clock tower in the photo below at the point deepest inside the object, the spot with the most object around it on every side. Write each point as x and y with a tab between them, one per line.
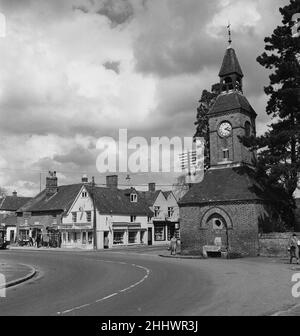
230	117
225	210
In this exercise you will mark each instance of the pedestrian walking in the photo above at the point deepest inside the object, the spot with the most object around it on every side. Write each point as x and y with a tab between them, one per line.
173	244
294	248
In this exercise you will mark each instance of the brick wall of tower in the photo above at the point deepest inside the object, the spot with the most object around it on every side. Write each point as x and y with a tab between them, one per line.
237	152
243	236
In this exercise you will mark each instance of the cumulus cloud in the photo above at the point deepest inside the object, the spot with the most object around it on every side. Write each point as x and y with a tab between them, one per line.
75	70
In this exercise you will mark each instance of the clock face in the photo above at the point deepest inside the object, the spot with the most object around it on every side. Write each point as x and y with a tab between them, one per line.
225	129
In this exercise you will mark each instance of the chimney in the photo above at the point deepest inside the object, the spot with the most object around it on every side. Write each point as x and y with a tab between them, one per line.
84	179
151	186
51	184
15	194
112	181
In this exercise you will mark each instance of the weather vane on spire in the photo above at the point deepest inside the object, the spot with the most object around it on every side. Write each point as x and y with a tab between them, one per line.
229	34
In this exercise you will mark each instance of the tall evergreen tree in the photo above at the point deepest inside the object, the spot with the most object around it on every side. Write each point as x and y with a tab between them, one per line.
201	123
278	159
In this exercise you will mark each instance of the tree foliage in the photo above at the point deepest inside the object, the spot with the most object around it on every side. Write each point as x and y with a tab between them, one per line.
202	127
278	159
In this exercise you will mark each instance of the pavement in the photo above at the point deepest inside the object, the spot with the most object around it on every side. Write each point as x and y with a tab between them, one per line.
15	273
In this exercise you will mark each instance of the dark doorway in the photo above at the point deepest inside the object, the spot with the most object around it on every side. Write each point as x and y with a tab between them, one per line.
12	236
149	236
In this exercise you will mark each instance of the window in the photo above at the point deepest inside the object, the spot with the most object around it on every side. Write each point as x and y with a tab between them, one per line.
84	194
159	233
133	197
149	219
88	216
54	219
132	219
170	211
226	154
74	217
247	129
218	223
132	237
118	237
156	211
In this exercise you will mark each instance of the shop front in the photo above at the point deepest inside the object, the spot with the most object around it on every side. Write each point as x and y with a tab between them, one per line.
73	236
163	231
128	234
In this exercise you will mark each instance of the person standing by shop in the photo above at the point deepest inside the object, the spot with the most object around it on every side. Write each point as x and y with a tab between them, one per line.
173	244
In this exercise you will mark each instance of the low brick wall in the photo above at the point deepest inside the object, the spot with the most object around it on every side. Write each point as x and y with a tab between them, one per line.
274	244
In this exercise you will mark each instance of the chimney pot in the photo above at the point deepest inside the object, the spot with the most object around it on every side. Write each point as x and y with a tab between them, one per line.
151	186
51	184
84	179
112	181
15	194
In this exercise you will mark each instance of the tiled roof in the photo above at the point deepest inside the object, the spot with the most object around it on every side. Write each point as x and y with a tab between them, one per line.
149	196
12	203
230	101
230	64
167	193
8	220
228	184
107	200
117	201
62	200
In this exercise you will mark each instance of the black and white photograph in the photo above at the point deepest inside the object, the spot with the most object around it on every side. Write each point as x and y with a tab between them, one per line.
149	163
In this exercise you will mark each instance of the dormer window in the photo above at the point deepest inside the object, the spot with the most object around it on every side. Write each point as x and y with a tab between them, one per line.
133	198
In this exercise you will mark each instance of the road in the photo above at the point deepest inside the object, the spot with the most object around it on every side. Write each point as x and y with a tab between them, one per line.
132	284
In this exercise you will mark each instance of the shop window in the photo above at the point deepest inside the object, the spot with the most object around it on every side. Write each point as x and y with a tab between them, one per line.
159	233
132	237
171	232
118	237
156	211
74	217
88	216
132	219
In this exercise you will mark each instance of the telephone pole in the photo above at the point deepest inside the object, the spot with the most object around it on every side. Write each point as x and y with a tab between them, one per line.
95	214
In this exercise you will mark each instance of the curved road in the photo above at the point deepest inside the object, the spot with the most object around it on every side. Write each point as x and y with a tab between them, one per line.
130	284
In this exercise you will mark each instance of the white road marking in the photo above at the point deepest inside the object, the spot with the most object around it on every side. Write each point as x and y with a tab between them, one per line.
113	294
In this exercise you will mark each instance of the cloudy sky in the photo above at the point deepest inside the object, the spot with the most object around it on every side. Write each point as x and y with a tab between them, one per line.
76	70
